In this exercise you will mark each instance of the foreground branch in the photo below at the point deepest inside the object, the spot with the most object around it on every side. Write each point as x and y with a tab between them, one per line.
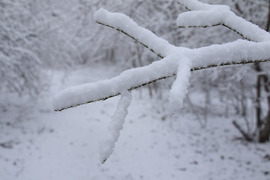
234	53
136	40
161	78
219	24
205	15
127	26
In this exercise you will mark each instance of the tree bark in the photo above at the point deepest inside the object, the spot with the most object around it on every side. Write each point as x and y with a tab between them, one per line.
268	19
264	133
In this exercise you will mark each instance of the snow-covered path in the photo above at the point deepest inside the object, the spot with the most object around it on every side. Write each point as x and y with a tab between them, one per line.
152	146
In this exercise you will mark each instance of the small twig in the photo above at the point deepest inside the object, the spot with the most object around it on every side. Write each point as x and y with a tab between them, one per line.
245	135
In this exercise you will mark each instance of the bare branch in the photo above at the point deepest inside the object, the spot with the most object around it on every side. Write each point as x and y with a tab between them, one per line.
245	135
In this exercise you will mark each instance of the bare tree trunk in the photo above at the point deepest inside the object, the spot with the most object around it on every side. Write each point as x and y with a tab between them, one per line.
268	19
258	99
262	124
264	132
264	128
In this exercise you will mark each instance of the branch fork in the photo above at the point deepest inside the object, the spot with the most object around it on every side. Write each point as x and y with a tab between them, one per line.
252	50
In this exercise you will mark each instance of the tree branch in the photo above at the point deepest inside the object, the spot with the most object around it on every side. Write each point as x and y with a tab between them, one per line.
161	78
238	52
226	18
245	135
220	24
127	26
136	40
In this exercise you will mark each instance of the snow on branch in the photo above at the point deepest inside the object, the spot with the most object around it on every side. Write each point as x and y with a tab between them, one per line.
130	28
116	125
177	61
108	88
205	15
180	86
237	52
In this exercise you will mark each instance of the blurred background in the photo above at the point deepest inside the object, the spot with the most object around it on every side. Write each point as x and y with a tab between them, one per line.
48	45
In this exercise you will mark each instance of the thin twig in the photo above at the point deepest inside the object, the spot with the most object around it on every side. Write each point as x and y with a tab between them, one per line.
245	135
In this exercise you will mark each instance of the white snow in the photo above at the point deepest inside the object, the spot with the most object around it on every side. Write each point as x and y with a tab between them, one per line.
126	24
237	51
116	125
39	144
179	88
203	14
63	145
201	18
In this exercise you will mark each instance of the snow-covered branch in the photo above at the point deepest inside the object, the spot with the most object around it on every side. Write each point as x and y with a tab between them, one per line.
127	26
205	15
177	61
116	125
238	52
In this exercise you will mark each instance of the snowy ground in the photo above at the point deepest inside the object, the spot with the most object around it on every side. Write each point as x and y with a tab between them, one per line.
39	144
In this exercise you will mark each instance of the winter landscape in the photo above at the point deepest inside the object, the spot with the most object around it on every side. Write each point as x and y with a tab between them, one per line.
156	90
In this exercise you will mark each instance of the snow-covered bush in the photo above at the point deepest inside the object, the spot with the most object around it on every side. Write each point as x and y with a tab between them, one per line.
177	61
18	64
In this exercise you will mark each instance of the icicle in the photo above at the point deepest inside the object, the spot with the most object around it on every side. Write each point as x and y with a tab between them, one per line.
115	126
